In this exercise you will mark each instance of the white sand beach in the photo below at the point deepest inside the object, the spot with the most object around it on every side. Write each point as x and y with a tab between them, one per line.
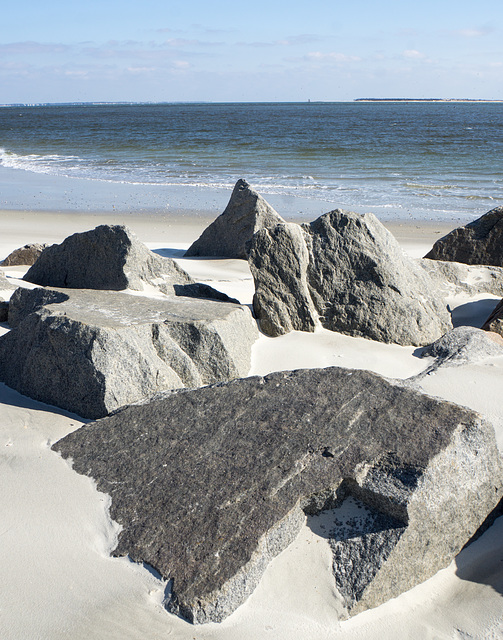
58	579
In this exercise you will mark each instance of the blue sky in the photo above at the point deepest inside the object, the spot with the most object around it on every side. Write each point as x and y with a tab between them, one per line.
151	50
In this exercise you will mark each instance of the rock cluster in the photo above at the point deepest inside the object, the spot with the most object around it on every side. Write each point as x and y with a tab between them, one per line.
479	242
231	233
220	478
347	272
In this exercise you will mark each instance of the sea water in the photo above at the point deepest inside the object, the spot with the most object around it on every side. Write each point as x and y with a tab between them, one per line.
402	160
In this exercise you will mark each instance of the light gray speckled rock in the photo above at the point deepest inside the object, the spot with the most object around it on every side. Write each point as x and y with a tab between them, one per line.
220	477
93	351
26	255
107	257
6	289
359	282
231	233
479	242
456	277
464	345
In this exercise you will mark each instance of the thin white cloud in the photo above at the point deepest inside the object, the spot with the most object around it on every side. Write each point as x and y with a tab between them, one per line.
31	47
474	32
413	54
319	56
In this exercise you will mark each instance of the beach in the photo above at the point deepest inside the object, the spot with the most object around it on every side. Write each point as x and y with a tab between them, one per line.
56	534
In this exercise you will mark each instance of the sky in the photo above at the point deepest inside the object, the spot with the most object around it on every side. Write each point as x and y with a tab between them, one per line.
226	51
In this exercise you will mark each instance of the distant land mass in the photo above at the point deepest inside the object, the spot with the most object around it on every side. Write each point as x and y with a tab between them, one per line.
423	100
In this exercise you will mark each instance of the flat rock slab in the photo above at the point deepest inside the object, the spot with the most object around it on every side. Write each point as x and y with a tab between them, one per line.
479	242
231	233
91	352
210	484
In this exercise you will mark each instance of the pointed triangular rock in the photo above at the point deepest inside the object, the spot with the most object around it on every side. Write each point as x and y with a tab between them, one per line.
231	233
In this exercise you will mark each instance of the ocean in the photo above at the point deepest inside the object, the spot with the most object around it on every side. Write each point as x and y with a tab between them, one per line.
439	161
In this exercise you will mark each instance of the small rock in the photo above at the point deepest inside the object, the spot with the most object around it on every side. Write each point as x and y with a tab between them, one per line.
26	255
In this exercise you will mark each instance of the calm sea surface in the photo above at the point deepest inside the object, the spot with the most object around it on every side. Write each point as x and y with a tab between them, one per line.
396	159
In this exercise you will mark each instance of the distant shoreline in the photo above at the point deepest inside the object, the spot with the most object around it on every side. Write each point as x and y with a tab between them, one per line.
423	100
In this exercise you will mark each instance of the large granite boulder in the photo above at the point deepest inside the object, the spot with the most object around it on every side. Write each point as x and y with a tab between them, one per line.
231	233
479	242
351	276
495	321
26	255
107	257
91	352
220	478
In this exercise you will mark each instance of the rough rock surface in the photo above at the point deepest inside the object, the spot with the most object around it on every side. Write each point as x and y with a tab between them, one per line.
93	351
6	288
495	321
456	277
464	345
231	233
26	255
352	273
479	242
107	257
219	480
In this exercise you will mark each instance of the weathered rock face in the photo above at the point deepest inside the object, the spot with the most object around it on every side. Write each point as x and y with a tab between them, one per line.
93	351
464	345
356	278
456	277
231	233
26	255
6	289
108	257
479	242
220	478
495	321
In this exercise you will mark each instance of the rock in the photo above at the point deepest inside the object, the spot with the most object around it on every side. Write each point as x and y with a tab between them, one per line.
456	277
356	278
107	257
91	352
479	242
26	255
464	345
278	261
220	478
494	323
6	289
231	233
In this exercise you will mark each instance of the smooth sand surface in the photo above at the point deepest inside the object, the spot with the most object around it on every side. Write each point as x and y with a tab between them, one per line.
58	578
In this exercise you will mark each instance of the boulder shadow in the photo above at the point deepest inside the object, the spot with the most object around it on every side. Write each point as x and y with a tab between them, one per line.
473	314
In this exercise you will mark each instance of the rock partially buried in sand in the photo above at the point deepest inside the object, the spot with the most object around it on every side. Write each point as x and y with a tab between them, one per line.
479	242
231	233
107	257
464	345
457	277
349	273
219	480
91	352
26	255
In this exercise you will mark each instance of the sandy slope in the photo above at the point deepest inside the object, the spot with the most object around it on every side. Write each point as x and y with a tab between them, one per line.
58	580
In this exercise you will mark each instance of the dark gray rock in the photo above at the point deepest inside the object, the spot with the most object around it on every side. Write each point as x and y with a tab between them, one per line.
26	255
355	280
107	257
479	242
231	233
494	323
93	351
456	277
210	484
